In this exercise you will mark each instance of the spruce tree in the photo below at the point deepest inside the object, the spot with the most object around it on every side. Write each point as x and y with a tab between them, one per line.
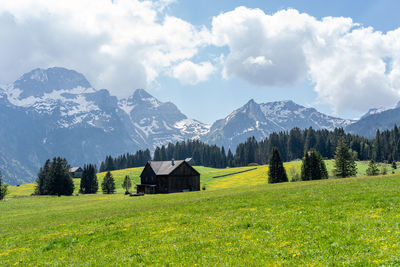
42	185
127	184
59	179
372	169
108	184
313	166
229	158
54	178
89	184
3	188
276	172
345	164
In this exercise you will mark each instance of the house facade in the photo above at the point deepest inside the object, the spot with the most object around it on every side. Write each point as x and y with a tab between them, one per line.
162	177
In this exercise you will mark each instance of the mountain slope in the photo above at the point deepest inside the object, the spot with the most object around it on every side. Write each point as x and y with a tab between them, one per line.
382	120
56	112
260	120
159	123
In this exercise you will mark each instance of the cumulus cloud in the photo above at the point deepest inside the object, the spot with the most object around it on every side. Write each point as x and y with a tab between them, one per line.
127	44
188	72
119	45
351	67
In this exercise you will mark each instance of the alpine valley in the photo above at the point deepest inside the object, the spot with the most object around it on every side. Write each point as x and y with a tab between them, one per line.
56	112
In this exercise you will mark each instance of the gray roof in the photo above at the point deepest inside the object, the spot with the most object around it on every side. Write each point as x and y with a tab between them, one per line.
74	169
164	167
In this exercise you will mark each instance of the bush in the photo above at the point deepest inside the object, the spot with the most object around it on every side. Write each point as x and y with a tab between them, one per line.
372	168
294	175
384	169
127	184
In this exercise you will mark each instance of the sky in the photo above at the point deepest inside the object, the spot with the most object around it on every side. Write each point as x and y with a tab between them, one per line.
211	57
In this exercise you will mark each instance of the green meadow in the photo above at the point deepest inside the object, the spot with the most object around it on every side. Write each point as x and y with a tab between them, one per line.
238	220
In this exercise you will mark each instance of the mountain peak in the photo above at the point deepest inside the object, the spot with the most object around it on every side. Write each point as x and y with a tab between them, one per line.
141	94
40	81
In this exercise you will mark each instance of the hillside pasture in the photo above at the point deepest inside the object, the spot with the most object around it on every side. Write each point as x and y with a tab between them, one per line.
353	221
254	177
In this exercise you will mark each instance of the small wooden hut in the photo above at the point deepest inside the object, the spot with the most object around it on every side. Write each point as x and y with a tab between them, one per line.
76	172
161	177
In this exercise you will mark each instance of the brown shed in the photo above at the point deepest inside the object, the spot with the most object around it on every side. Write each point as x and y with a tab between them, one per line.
76	172
172	176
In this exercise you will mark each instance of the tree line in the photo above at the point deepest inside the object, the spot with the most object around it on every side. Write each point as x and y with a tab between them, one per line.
140	158
313	166
291	145
54	178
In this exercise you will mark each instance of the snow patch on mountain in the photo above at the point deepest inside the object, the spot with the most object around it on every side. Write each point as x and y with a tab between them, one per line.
192	127
374	111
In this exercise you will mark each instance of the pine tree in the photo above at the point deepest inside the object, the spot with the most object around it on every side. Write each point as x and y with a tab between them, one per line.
127	184
3	188
108	184
42	184
345	165
89	183
313	166
372	169
60	180
276	172
54	178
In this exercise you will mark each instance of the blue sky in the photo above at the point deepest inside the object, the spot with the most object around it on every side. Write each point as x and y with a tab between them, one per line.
223	96
211	57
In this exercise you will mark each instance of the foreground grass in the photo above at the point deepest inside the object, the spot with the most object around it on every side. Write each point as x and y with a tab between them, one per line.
352	221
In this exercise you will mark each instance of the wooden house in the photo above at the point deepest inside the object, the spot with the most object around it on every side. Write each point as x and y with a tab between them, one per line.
161	177
76	172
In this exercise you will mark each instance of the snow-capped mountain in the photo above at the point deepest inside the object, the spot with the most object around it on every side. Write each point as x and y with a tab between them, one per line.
260	120
159	123
374	111
368	124
56	112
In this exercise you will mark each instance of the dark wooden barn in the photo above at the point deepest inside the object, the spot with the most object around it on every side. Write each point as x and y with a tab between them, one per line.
76	172
172	176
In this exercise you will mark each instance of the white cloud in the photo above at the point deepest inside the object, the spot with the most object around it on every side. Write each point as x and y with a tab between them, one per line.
188	72
352	68
119	45
127	44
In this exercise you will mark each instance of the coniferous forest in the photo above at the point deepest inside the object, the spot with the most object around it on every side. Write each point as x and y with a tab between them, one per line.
291	145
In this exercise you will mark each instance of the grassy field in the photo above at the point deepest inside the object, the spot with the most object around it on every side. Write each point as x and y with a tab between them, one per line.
255	177
239	220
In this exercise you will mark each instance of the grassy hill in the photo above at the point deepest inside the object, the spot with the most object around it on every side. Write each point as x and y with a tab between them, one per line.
254	177
238	220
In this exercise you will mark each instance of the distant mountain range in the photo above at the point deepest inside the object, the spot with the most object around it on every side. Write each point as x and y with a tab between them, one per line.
56	111
260	120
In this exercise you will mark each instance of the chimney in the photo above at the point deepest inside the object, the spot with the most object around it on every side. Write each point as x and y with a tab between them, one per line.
173	162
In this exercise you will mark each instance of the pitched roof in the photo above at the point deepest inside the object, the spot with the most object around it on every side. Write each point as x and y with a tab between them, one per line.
164	167
74	169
